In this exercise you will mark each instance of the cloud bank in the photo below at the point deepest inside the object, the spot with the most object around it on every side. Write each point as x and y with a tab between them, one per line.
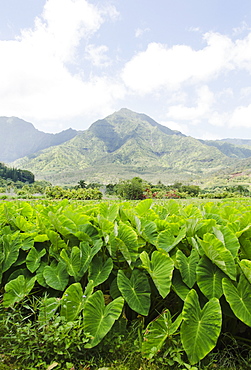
56	72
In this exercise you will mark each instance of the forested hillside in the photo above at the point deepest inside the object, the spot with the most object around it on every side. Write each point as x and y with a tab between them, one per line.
127	144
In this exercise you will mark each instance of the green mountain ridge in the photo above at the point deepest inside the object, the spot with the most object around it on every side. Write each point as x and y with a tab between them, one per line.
19	138
127	144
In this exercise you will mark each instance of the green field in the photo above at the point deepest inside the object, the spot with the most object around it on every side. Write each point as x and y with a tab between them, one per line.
125	285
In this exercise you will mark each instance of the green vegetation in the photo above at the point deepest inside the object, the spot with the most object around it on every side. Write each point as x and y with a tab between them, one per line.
15	175
125	285
138	188
56	192
126	145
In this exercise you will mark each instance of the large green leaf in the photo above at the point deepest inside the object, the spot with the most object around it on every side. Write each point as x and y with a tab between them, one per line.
179	287
167	239
209	278
56	243
245	244
22	224
149	231
17	289
160	268
157	332
246	268
200	328
239	298
219	254
56	276
129	238
99	270
40	276
109	211
143	206
98	318
187	266
79	259
136	291
228	238
9	249
125	240
74	299
33	259
73	262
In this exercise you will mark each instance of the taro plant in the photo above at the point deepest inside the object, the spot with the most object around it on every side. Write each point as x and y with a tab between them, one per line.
184	270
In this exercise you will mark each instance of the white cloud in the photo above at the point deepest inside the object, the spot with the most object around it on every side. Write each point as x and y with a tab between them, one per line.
205	101
97	55
219	119
140	31
241	117
161	67
245	92
35	69
239	30
242	54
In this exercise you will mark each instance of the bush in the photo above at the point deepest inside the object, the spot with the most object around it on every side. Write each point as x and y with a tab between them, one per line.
131	189
57	192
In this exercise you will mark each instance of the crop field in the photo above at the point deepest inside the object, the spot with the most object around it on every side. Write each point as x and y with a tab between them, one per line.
125	285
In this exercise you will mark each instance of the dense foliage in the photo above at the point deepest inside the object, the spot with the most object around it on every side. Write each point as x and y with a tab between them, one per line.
137	188
57	192
15	174
182	270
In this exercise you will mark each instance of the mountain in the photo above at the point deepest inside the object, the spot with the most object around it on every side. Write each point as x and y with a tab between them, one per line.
233	148
19	138
127	144
239	142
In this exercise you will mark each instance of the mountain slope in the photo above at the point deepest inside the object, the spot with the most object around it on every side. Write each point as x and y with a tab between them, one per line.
123	145
231	149
19	138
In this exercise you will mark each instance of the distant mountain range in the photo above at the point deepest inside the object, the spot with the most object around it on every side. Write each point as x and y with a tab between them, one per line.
19	138
122	145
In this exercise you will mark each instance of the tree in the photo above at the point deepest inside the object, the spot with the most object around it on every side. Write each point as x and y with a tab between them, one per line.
82	184
131	189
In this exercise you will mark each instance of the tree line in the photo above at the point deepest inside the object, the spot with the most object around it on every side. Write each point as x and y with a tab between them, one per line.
16	174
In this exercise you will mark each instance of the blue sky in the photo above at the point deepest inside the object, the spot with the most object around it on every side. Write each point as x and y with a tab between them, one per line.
185	63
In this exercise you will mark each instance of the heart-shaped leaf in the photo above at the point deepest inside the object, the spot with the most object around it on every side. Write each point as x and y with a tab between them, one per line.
9	250
209	278
160	268
167	240
73	300
17	289
239	298
98	318
56	276
187	266
136	291
34	258
99	270
200	328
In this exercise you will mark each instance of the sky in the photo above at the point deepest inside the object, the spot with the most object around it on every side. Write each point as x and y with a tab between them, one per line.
184	63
